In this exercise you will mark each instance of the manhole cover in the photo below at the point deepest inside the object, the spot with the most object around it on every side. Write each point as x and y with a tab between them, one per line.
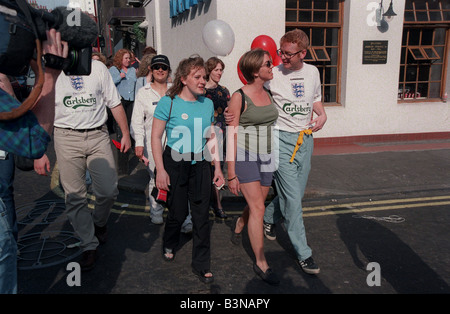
47	248
41	212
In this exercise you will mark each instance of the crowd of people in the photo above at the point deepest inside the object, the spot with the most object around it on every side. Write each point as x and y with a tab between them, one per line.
150	111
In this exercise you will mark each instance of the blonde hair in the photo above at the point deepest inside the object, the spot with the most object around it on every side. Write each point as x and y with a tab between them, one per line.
184	69
100	56
251	62
144	66
296	36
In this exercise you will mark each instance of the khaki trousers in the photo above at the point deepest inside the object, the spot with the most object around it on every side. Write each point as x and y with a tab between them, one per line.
75	152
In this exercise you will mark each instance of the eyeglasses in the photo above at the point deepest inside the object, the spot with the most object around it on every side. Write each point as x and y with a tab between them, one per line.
160	66
267	64
287	55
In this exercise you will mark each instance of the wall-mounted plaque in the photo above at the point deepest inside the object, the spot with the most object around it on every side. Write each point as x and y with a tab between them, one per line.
375	51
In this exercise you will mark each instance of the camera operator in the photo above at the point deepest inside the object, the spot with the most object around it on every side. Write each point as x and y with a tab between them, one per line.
33	130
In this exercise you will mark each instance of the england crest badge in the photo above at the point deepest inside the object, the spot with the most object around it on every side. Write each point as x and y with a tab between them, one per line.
77	82
298	89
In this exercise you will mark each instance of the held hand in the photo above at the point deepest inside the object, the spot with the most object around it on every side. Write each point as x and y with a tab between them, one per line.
139	151
122	75
162	180
145	161
229	117
125	144
219	179
234	187
42	165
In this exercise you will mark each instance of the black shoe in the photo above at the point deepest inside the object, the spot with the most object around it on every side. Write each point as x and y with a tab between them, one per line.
87	261
269	276
236	238
219	212
101	233
202	277
269	231
309	266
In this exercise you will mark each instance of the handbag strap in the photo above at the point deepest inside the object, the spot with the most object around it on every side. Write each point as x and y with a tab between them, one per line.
170	112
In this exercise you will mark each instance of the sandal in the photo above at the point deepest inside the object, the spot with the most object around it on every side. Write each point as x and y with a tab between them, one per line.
168	255
235	237
202	275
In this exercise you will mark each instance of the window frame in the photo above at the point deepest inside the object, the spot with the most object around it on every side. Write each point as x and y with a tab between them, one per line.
419	64
324	65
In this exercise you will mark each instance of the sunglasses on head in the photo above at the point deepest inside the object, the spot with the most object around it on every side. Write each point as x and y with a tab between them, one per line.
160	66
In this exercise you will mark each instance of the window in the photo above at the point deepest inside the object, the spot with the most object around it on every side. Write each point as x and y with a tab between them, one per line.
321	20
424	49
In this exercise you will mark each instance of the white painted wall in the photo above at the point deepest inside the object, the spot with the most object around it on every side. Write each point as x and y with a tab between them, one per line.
369	92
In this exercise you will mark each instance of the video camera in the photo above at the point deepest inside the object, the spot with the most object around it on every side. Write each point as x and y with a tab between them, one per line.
21	25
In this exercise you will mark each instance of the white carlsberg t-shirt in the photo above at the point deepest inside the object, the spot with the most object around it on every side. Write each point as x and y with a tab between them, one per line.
294	93
81	101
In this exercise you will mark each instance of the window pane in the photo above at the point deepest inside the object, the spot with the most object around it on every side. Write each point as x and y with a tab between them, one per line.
402	56
291	4
402	74
321	54
422	90
435	90
424	71
333	16
420	5
333	75
333	4
308	56
436	72
439	36
430	53
417	53
427	37
317	37
305	4
421	16
333	53
320	4
332	37
411	74
304	16
433	5
414	37
409	16
435	16
319	16
291	16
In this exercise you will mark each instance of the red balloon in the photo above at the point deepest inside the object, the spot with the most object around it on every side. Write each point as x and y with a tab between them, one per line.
277	60
267	43
241	76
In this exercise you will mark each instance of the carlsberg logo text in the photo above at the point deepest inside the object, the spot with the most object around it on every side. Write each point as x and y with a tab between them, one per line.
293	109
75	102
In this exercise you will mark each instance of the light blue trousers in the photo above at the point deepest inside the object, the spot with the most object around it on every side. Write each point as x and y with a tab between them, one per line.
290	181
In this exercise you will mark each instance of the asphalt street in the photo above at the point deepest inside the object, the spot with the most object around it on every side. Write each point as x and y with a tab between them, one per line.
377	223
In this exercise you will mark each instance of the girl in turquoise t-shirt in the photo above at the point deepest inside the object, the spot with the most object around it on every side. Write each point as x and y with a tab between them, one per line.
184	168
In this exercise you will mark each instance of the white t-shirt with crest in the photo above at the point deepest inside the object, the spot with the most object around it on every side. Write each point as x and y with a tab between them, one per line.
81	101
294	93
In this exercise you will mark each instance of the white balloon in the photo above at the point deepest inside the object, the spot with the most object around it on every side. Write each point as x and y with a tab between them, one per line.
218	37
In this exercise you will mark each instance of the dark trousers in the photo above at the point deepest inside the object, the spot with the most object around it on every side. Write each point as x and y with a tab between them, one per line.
189	184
